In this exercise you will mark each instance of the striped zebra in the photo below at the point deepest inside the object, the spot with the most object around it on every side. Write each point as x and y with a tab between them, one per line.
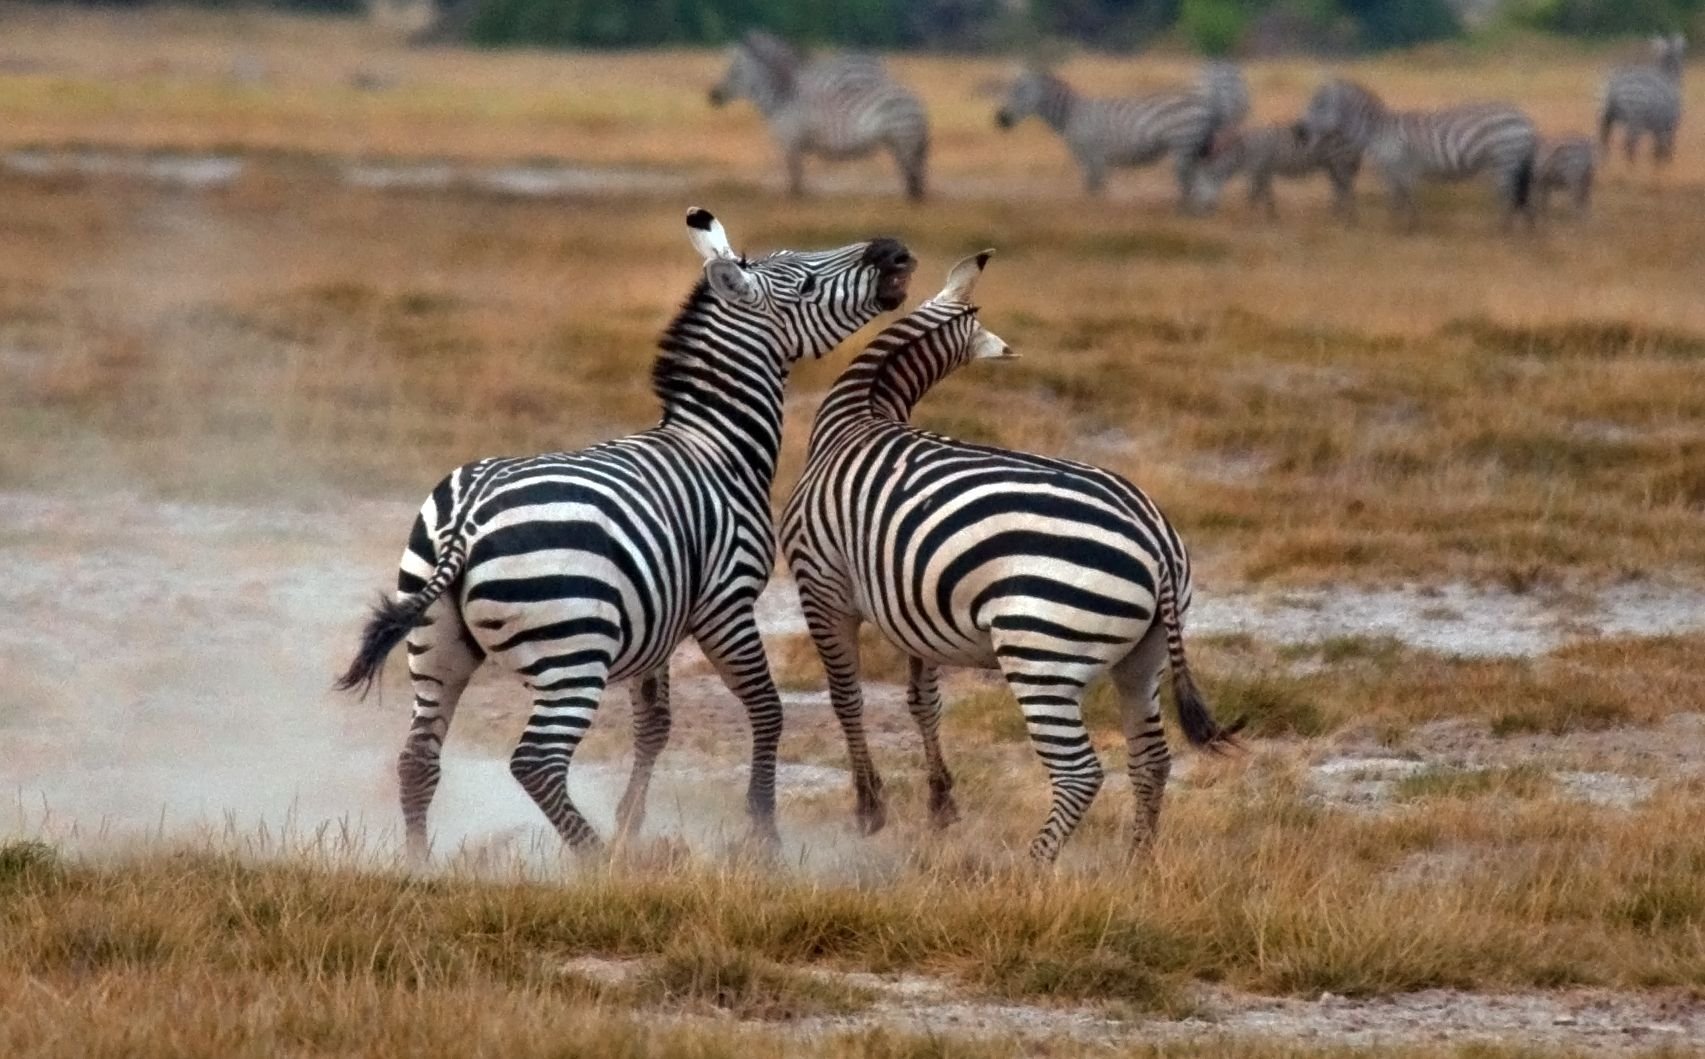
1279	151
575	569
1567	165
1645	99
1223	85
838	106
1450	144
1051	571
1135	131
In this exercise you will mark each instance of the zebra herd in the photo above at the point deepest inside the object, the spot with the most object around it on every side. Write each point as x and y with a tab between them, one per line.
843	106
574	570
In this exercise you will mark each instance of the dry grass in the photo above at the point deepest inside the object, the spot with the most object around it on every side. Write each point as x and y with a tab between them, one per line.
1438	893
1471	406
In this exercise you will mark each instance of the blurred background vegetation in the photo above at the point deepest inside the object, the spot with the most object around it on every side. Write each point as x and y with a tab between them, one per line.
1217	27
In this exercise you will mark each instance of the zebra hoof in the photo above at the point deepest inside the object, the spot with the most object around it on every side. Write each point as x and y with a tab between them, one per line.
944	814
872	819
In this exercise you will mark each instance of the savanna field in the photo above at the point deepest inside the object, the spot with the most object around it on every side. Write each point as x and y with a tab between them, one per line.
263	280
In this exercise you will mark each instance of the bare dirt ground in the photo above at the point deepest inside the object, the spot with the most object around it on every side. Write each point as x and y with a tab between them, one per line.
170	666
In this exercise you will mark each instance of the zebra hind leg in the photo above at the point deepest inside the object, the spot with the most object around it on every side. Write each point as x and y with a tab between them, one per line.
737	651
836	639
1051	697
561	717
1137	678
441	658
923	699
912	158
651	724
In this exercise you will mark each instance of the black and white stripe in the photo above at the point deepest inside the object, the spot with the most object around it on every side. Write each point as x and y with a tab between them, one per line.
575	569
1645	100
836	106
1104	134
1270	151
1439	145
1567	165
1051	571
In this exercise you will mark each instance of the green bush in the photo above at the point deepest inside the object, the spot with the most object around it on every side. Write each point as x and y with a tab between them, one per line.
1214	27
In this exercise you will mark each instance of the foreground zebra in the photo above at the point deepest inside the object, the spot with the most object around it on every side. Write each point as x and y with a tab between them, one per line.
1646	99
575	569
1278	151
1408	147
838	106
1137	131
1566	165
1051	571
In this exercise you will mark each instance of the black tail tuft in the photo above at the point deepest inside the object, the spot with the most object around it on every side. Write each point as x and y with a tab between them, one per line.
392	621
1524	184
1194	718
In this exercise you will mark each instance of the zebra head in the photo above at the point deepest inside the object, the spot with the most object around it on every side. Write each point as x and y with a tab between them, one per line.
975	342
1028	95
762	68
808	300
1338	108
1669	53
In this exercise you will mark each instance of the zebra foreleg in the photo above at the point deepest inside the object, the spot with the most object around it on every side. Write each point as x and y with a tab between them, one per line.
541	759
651	723
737	651
1137	678
912	158
1052	705
923	699
835	636
440	661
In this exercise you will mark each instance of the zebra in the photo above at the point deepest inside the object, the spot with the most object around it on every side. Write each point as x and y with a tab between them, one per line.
960	554
1223	85
576	569
839	106
1277	150
1645	99
1565	164
1135	131
1450	144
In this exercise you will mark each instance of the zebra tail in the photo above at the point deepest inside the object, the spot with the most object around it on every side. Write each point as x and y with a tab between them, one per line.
1524	181
393	619
1194	717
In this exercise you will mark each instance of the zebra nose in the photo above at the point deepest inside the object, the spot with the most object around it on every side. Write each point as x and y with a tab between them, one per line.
716	97
890	255
1003	119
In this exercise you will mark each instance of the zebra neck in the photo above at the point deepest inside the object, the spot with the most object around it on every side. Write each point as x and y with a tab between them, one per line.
1058	102
883	384
720	380
774	91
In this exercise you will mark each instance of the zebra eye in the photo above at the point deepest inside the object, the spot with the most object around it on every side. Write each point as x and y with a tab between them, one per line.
808	286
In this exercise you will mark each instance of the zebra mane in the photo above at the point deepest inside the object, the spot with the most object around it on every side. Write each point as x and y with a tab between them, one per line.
903	366
779	58
672	370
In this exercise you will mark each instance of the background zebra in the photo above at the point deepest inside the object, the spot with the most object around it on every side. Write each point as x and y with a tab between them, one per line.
1135	131
837	106
1566	165
1646	99
1270	151
574	569
1049	570
1450	144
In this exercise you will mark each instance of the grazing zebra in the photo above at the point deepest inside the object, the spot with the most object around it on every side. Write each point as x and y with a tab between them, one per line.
965	555
839	106
1567	165
1222	84
575	569
1408	147
1278	150
1646	99
1136	131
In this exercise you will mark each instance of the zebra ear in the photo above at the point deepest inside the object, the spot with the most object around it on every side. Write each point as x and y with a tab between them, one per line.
708	236
729	281
989	346
963	278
